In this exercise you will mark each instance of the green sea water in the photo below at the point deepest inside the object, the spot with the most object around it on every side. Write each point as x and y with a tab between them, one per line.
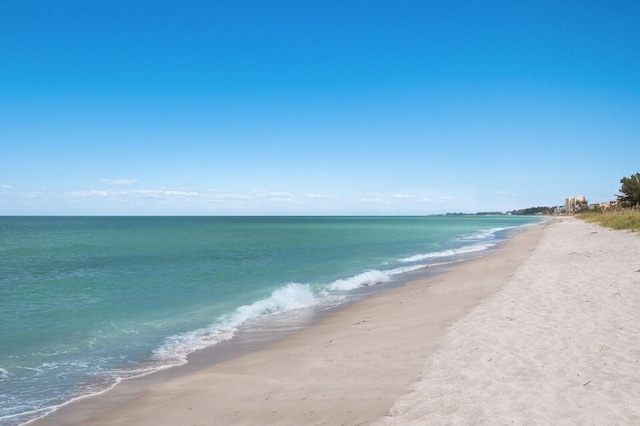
85	301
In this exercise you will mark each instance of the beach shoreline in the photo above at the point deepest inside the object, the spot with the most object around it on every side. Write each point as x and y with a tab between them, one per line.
348	367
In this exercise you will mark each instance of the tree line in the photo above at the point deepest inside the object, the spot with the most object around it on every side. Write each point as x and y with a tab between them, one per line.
630	191
629	197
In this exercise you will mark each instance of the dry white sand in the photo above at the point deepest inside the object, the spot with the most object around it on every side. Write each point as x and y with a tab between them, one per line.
558	345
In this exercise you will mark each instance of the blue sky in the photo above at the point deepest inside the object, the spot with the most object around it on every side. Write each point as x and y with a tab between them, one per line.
315	107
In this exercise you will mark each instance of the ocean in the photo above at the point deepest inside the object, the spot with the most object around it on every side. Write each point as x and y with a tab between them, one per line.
88	301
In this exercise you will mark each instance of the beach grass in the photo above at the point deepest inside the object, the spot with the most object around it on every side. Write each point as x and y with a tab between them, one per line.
628	219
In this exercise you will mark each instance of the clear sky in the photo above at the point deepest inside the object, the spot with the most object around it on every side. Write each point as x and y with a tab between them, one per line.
315	107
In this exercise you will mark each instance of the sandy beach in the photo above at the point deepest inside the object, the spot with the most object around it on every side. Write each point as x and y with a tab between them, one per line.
558	345
542	332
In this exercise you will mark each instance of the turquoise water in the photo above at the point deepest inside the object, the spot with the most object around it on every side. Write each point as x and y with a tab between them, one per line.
86	301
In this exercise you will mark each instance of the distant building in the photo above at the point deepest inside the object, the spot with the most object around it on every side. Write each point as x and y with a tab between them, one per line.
573	204
606	205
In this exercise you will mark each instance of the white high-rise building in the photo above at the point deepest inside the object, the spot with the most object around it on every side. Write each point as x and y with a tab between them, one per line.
570	203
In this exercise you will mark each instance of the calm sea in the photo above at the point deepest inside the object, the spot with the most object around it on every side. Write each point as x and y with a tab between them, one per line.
86	301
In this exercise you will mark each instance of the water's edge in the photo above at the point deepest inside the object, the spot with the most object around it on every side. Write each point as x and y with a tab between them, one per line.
253	337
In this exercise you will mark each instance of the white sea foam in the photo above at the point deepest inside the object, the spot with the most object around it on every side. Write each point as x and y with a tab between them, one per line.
176	348
290	297
367	278
287	298
449	252
485	233
406	269
4	374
